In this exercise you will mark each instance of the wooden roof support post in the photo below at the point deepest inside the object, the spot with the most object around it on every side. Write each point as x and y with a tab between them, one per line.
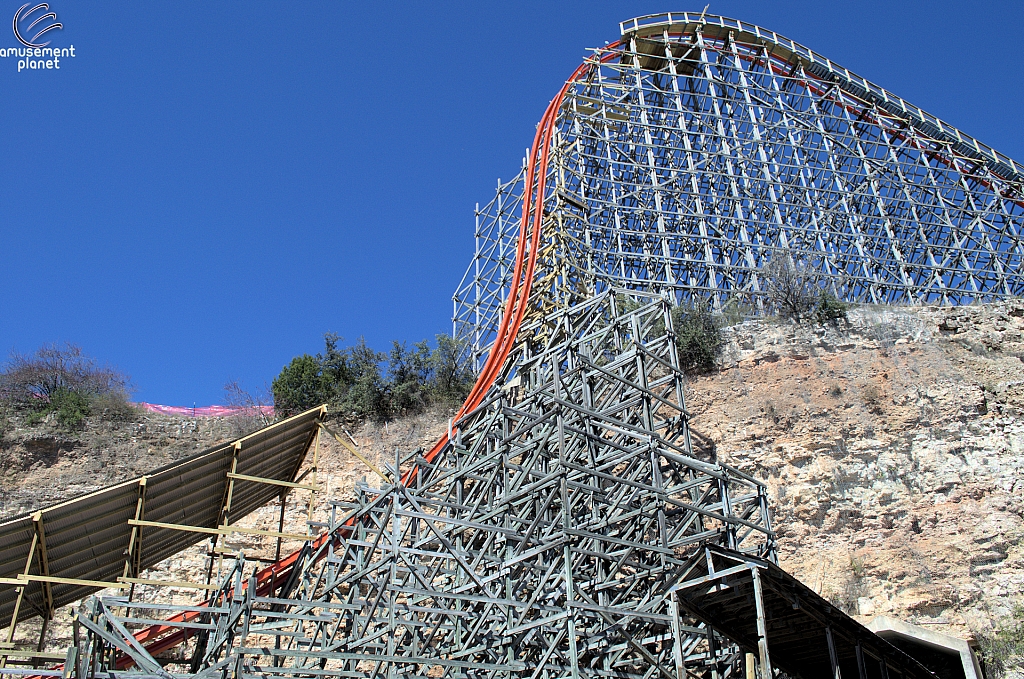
21	597
313	470
133	555
762	627
44	569
833	656
225	511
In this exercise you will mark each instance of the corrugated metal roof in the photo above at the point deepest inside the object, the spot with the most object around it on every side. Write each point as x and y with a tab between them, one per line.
87	537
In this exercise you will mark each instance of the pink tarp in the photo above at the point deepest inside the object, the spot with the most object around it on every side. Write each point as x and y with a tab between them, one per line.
204	411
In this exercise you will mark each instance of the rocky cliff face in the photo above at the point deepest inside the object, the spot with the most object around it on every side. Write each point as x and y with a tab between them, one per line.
892	449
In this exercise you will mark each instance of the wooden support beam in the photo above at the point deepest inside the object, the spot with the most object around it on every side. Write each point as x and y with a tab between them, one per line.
44	566
176	526
36	654
268	533
167	583
355	452
53	580
133	555
272	482
222	530
22	586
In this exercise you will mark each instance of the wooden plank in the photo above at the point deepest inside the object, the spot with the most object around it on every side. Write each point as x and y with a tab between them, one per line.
272	482
176	526
34	654
49	579
168	583
269	533
222	530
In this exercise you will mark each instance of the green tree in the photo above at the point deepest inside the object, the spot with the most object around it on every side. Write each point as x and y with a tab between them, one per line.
698	336
451	375
409	370
366	395
300	386
828	310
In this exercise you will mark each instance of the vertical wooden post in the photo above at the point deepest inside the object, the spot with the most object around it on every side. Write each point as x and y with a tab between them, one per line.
225	512
312	493
762	626
21	597
133	556
280	524
44	569
833	656
862	669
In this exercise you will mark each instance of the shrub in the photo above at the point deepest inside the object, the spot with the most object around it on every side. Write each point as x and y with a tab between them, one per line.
60	379
790	287
299	386
451	376
114	407
70	407
1003	650
829	310
351	382
698	337
252	407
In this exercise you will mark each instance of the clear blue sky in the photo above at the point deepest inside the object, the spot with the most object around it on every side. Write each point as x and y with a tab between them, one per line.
206	188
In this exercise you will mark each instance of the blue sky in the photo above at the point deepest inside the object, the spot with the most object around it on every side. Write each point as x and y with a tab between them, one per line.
206	188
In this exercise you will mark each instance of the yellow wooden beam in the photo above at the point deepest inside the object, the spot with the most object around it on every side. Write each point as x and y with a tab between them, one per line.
272	482
354	452
34	653
176	526
222	530
269	533
168	583
53	580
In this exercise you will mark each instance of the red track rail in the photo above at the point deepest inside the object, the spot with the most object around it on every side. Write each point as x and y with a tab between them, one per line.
162	637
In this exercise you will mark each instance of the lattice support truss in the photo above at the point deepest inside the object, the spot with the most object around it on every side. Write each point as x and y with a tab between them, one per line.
544	541
697	148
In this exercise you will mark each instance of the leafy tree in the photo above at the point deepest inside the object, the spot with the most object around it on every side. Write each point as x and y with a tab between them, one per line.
350	380
336	375
61	379
409	371
300	386
698	337
829	310
366	395
790	287
451	375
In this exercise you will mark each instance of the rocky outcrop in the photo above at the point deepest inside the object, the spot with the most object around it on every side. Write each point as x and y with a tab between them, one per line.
892	448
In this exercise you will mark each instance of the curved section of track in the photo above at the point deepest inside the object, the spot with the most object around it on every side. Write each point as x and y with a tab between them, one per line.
783	55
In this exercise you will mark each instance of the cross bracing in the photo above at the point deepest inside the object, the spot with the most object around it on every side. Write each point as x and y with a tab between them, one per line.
544	541
570	523
693	151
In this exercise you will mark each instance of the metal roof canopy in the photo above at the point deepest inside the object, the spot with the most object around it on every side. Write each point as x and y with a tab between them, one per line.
771	614
89	538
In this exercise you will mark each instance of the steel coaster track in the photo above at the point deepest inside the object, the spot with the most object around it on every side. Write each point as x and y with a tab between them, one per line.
878	107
